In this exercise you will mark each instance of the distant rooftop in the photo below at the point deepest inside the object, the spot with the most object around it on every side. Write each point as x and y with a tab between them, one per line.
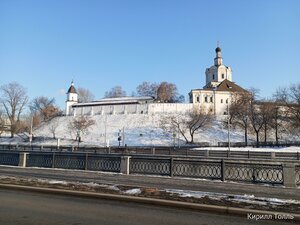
117	101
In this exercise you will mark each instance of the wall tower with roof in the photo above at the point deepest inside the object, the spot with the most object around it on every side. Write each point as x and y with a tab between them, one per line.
72	98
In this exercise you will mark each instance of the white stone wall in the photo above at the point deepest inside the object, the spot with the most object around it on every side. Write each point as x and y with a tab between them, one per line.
169	107
133	109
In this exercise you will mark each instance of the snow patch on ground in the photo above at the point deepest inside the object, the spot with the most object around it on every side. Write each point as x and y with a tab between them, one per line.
235	198
134	191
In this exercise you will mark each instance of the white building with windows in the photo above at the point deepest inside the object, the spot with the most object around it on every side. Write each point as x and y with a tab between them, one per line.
218	90
214	96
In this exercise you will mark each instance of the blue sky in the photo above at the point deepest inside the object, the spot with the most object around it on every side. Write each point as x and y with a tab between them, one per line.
101	44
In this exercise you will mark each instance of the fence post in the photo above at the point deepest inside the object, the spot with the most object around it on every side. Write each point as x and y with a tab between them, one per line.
125	165
53	159
206	153
22	159
289	175
153	151
86	161
222	170
273	155
171	166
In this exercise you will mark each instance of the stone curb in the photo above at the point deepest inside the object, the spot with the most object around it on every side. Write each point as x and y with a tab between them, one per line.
151	201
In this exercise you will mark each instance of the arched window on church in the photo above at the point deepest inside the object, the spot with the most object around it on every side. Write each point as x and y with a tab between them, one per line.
205	98
198	99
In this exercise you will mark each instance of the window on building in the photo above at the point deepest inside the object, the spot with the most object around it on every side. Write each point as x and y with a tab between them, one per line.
227	101
221	100
213	76
198	99
205	98
223	76
211	99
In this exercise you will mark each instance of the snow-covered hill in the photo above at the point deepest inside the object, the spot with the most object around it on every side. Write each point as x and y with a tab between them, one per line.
138	129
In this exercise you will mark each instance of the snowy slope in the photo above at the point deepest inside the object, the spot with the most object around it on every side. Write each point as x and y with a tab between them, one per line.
139	129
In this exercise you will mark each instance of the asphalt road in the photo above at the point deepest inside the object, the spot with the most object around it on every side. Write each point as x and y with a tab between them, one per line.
29	208
153	181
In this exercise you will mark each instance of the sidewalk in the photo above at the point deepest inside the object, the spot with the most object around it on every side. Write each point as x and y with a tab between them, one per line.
153	182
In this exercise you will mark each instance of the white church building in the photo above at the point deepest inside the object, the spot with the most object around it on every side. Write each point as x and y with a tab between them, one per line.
219	88
214	96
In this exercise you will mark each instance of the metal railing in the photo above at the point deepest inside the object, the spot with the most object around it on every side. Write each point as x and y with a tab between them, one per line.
197	168
152	166
250	171
208	153
9	158
254	172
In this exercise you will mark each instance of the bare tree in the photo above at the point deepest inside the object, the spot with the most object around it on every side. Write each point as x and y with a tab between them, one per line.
85	95
187	124
167	92
2	122
44	108
256	115
179	99
14	99
53	125
147	89
267	110
239	111
277	120
115	92
290	99
80	125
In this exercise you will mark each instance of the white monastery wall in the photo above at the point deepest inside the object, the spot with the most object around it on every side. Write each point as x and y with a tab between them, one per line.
133	109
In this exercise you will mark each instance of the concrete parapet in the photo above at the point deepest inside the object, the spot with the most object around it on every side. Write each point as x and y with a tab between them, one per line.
125	164
22	159
289	175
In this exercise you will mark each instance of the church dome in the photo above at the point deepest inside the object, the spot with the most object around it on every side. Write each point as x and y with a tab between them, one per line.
72	89
218	49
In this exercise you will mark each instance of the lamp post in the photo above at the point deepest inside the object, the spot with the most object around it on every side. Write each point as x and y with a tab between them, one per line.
228	125
119	137
78	138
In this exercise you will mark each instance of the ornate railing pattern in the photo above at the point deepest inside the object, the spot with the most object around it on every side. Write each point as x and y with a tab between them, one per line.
297	171
69	161
11	159
150	166
243	171
40	160
256	173
200	169
100	163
